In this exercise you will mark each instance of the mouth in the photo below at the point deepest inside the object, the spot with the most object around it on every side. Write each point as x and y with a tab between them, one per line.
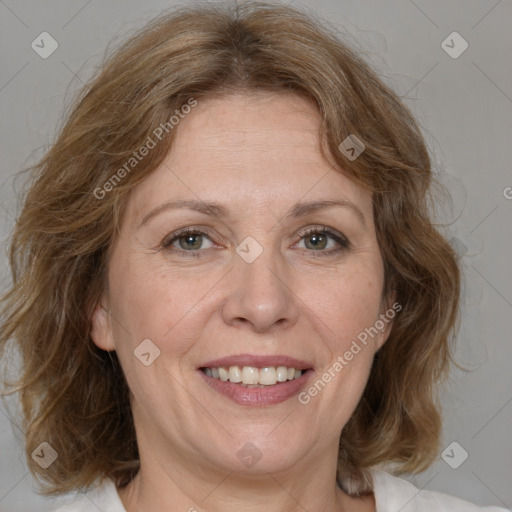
256	380
251	376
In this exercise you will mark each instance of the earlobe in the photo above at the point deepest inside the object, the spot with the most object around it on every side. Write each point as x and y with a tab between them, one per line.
101	332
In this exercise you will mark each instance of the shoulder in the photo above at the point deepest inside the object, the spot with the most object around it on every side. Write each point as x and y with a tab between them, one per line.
102	496
393	494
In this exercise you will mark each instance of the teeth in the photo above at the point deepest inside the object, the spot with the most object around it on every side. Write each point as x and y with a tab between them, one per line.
268	376
234	373
223	374
251	376
282	374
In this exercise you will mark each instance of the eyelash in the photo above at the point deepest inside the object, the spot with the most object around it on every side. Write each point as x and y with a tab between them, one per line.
316	230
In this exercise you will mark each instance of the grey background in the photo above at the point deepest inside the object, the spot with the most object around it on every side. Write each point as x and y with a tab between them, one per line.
465	108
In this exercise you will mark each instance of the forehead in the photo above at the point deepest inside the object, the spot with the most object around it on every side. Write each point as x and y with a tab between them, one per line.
248	151
258	117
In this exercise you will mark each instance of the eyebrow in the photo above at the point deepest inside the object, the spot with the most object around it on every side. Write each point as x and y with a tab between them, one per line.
219	211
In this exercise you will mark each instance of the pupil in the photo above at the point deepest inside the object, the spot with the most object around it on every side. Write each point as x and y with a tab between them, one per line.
189	241
319	239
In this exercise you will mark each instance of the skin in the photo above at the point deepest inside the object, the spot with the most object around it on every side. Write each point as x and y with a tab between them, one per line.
258	154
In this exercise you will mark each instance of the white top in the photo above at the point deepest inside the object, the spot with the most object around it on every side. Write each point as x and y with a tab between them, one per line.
392	494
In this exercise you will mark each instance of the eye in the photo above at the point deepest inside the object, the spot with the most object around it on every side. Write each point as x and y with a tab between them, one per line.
320	238
188	240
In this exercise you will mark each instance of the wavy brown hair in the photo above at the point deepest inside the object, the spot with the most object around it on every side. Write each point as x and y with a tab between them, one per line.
73	394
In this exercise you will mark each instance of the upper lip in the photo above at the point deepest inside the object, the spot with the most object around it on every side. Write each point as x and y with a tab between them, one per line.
258	361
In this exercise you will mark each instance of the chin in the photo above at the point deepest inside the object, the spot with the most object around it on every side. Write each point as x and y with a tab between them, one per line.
259	454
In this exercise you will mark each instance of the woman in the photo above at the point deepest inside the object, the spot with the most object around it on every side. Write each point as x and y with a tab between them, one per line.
227	291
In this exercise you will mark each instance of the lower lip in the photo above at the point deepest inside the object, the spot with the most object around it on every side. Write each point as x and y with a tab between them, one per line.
261	396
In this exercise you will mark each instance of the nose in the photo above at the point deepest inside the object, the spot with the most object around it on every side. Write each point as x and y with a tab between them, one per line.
260	296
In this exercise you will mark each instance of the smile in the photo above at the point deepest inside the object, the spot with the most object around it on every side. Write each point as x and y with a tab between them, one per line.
252	376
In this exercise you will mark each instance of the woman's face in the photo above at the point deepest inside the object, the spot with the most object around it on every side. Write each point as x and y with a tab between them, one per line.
255	285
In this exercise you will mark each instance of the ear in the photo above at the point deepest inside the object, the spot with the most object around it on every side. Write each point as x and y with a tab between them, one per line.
101	328
390	308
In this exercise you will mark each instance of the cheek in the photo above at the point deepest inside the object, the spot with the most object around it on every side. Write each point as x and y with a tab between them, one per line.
160	304
344	315
347	304
346	311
